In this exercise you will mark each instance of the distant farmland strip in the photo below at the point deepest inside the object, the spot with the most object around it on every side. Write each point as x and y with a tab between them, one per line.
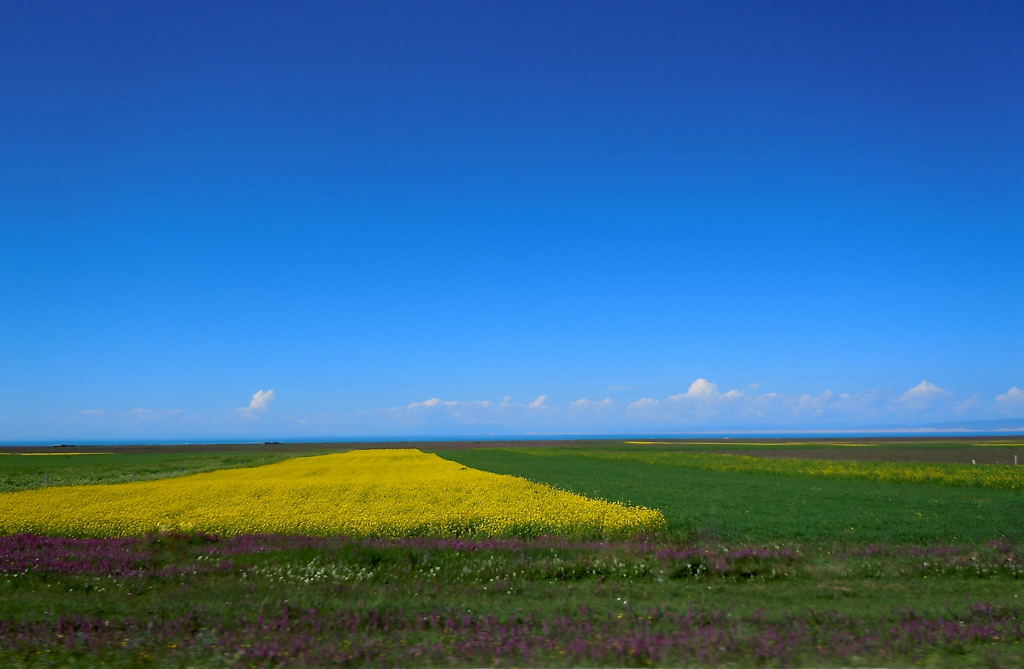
18	472
1004	477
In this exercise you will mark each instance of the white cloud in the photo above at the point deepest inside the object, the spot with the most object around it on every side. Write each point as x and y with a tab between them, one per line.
969	404
702	406
539	403
1011	399
814	404
701	400
701	388
584	403
441	414
643	404
438	404
260	400
431	403
921	390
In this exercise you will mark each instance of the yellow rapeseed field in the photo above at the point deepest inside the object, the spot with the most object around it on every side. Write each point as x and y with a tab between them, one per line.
1006	477
386	492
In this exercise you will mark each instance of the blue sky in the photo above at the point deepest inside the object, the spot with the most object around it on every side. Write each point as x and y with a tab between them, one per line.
480	217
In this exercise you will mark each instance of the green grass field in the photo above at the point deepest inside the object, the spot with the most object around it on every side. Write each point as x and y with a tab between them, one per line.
740	506
23	472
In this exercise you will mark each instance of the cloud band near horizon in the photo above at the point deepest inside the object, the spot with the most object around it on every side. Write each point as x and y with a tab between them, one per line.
702	407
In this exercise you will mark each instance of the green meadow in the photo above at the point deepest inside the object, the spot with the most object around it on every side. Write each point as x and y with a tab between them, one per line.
699	503
23	472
